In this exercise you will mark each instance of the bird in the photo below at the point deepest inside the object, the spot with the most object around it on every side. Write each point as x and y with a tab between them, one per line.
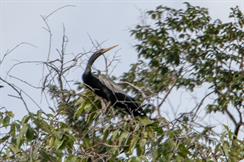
107	89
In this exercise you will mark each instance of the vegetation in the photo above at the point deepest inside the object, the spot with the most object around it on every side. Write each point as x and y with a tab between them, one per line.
181	49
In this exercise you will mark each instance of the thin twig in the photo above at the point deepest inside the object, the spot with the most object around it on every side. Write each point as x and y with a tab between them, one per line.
14	48
19	92
60	8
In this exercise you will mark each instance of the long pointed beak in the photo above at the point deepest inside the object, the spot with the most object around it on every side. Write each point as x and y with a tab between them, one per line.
108	49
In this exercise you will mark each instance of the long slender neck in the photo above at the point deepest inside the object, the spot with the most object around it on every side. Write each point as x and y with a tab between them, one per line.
91	60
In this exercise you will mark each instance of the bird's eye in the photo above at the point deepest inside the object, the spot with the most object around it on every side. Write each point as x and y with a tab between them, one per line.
97	72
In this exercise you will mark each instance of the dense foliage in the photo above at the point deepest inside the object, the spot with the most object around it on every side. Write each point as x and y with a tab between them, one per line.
179	49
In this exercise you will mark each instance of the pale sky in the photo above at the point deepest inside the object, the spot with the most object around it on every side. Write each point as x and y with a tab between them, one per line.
104	20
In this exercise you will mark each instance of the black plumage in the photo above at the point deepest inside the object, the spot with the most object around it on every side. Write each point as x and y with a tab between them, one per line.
108	90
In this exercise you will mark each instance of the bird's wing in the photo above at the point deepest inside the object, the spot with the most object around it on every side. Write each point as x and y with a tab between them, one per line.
110	84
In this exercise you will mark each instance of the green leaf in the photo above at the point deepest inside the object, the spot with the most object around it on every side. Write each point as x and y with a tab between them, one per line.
4	138
142	145
6	121
133	143
123	138
135	159
145	121
41	124
30	133
85	107
25	119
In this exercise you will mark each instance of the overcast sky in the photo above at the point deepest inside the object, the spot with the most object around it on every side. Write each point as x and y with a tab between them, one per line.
109	21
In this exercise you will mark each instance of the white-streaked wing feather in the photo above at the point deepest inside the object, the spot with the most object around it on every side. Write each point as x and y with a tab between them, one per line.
110	84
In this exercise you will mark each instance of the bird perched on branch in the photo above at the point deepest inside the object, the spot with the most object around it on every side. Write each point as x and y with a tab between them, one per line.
108	90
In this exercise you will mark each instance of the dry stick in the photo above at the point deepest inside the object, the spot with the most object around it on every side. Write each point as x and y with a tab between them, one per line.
109	63
32	100
200	104
231	116
241	123
95	43
60	8
49	65
14	48
18	92
21	91
60	71
22	62
165	97
48	29
21	80
236	131
114	66
237	124
25	82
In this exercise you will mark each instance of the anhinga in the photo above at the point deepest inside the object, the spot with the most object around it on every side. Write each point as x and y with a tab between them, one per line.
108	90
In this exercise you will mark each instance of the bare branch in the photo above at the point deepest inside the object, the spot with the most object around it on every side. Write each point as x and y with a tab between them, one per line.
19	92
14	48
58	9
25	82
198	106
231	116
167	93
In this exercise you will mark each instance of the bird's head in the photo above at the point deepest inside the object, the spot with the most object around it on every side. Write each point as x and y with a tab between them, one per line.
96	55
104	50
